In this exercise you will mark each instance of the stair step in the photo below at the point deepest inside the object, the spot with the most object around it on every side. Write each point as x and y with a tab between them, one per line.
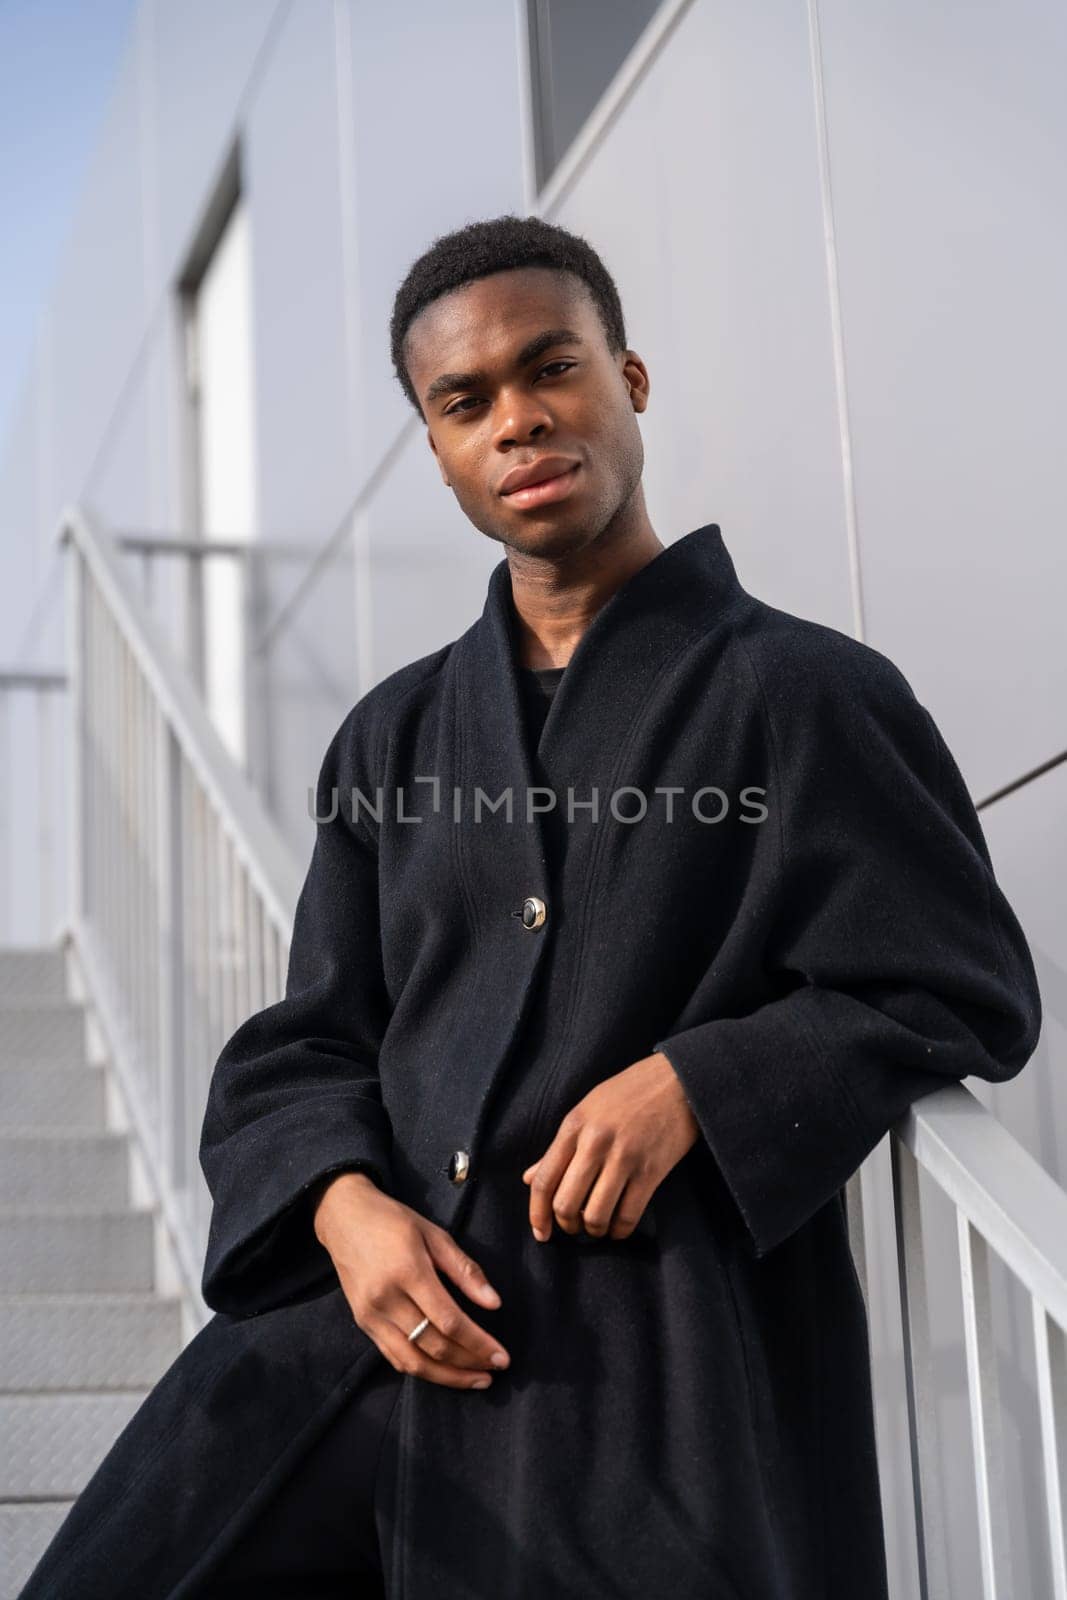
41	1168
38	1095
34	1029
26	1531
89	1341
53	1443
32	970
67	1252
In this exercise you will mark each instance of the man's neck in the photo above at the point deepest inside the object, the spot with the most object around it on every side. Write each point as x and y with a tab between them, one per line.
557	600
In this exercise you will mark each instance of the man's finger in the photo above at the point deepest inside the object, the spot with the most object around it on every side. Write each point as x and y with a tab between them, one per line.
630	1208
448	1318
445	1253
407	1313
601	1205
405	1356
572	1192
550	1169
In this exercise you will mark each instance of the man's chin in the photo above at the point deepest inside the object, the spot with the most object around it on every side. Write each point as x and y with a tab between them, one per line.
549	539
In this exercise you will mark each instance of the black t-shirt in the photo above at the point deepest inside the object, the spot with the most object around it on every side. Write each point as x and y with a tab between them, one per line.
538	685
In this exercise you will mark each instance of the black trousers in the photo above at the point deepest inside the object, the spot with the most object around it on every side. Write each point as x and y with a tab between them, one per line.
326	1532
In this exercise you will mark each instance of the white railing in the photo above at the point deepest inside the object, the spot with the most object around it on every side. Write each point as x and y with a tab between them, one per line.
32	812
182	892
176	576
1008	1204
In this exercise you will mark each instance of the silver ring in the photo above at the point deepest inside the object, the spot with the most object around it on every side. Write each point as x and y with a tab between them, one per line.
415	1332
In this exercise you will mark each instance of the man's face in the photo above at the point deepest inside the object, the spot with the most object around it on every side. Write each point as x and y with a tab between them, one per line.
514	369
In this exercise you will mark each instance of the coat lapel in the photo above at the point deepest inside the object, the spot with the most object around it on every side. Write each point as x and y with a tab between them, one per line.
594	721
632	640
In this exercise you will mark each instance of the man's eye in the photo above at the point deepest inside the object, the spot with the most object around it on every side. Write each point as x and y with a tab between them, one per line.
469	400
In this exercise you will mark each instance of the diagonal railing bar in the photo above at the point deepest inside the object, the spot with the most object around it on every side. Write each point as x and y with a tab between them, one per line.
182	891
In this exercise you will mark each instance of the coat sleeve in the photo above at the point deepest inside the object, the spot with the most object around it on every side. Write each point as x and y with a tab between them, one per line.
894	961
295	1095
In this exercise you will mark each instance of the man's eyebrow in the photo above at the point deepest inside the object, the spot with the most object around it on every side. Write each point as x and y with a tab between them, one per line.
529	352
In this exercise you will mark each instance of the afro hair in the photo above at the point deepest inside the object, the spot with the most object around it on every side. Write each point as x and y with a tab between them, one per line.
500	244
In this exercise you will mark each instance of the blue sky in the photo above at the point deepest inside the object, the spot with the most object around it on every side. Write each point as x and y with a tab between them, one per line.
58	60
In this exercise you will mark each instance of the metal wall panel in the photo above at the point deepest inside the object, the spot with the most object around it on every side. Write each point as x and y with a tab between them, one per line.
947	129
705	200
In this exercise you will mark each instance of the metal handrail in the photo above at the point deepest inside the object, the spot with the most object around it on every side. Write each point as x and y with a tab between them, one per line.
1019	1209
183	891
32	678
1005	1203
262	847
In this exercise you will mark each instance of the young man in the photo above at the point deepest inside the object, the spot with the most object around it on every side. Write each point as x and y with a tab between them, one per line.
592	1009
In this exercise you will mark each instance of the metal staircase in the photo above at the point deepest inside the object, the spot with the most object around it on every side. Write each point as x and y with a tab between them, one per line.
83	1332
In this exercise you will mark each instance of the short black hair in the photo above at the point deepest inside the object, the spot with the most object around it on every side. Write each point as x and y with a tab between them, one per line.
500	244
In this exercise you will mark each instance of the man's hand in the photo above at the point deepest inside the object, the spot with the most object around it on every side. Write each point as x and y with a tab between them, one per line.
386	1256
612	1152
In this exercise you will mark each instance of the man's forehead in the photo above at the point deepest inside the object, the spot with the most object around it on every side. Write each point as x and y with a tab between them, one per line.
495	315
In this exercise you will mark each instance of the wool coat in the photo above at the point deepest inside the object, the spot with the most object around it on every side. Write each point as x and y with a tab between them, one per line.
771	871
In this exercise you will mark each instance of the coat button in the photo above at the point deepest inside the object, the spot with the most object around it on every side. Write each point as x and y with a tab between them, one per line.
534	912
459	1166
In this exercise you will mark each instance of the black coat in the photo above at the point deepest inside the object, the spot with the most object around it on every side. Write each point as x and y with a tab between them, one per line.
688	1410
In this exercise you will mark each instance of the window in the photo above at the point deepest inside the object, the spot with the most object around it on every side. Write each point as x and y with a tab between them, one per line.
575	51
220	394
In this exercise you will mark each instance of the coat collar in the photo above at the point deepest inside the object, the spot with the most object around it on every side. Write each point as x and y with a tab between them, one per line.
630	643
595	737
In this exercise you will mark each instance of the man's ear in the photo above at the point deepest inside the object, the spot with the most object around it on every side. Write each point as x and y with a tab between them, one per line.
437	458
635	374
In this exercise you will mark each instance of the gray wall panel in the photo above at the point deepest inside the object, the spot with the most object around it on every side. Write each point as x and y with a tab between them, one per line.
947	130
437	144
99	306
705	201
22	557
202	57
304	430
429	565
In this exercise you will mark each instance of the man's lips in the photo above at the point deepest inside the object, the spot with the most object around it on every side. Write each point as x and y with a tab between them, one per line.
543	493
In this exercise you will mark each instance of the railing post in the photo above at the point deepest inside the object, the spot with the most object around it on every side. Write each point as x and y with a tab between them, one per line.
918	1376
172	1062
76	730
1050	1349
257	706
985	1411
857	1236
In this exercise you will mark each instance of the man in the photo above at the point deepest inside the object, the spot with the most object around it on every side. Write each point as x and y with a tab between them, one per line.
592	1009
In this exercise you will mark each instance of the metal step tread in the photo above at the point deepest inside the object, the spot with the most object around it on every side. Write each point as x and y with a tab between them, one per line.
40	1005
75	1342
54	1443
52	1168
12	1062
27	1528
38	1095
52	1029
58	1211
33	970
64	1138
48	1249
